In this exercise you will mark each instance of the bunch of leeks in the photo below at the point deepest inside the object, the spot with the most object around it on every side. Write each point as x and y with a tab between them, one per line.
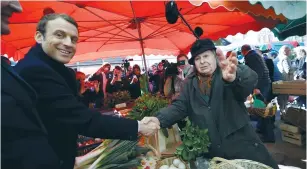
112	154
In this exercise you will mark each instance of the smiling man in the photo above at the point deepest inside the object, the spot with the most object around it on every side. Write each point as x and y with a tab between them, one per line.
63	115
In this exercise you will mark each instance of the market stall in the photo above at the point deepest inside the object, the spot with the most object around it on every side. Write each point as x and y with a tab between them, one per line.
167	149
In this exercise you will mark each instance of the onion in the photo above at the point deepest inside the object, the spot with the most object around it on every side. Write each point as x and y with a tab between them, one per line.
181	166
176	162
164	167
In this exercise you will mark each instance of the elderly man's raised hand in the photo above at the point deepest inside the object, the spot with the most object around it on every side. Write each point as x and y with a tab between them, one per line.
228	66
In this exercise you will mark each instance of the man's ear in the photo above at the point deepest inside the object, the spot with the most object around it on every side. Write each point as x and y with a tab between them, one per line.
38	37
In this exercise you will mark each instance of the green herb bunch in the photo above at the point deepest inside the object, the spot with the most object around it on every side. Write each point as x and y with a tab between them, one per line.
147	105
195	142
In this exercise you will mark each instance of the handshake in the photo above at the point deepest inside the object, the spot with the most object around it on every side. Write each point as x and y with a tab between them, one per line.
149	126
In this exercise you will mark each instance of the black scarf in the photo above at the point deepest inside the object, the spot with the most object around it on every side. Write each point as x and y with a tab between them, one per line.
60	68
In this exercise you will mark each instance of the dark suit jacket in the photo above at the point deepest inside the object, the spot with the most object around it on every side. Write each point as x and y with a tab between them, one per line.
270	65
24	137
257	64
63	115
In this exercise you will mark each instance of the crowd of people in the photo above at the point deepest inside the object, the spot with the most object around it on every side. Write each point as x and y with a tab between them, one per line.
165	79
45	105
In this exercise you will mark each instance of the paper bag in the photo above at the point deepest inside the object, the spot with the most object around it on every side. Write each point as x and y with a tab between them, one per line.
160	143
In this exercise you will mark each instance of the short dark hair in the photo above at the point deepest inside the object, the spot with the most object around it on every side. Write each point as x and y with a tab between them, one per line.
136	67
118	68
246	48
41	26
182	55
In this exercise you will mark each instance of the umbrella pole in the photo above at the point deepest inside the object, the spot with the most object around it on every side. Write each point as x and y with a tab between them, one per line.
138	24
144	58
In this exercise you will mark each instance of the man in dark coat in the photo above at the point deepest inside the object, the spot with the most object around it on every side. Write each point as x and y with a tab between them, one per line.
256	62
213	98
63	115
24	142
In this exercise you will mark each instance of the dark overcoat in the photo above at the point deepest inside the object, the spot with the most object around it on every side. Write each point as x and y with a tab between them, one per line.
63	115
223	113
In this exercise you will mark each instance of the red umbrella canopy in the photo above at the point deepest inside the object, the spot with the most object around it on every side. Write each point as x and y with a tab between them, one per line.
117	28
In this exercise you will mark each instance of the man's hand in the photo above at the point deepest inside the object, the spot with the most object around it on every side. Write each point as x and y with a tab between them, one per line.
146	120
228	66
148	128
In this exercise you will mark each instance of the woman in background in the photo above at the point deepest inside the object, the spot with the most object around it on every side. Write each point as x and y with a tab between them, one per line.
89	93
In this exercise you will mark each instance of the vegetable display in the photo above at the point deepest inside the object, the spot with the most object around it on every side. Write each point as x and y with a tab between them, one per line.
112	154
173	164
195	142
147	105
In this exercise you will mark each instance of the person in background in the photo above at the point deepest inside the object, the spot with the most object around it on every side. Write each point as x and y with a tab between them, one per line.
158	79
284	66
161	73
117	83
257	63
129	71
102	76
90	93
173	84
24	138
270	65
138	83
154	78
301	59
134	82
213	98
43	67
80	77
277	74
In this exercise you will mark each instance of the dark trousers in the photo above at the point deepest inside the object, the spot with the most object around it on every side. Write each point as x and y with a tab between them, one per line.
265	126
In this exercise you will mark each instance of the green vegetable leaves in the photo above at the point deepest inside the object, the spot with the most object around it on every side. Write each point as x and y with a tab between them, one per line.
195	142
147	105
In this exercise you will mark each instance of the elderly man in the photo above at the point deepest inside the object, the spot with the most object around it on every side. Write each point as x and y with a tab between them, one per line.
213	97
286	70
24	142
63	115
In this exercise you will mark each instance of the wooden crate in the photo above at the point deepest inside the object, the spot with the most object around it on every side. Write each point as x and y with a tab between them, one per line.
296	87
289	128
294	138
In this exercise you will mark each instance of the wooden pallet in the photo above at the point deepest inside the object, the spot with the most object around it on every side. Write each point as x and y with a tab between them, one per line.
296	87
